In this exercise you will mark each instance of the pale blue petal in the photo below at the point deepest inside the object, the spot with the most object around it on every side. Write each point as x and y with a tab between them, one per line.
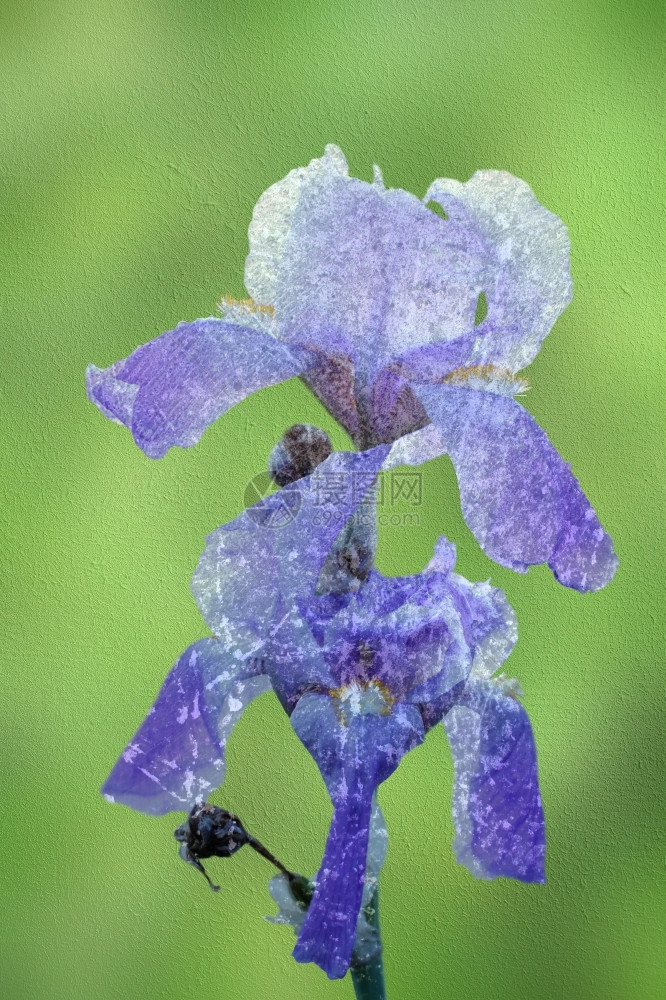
248	563
358	268
527	263
518	496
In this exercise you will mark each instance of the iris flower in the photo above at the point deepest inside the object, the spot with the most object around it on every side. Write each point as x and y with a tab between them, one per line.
363	675
372	298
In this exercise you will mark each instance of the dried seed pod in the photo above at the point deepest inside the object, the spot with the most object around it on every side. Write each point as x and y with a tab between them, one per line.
210	832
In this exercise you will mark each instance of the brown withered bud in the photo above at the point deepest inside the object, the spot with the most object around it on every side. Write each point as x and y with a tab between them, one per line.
211	832
298	453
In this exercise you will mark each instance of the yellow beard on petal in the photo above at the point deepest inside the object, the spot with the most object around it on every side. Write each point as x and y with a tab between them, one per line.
489	377
227	302
361	698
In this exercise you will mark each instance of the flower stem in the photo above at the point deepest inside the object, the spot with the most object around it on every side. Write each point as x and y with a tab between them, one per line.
368	981
368	977
265	853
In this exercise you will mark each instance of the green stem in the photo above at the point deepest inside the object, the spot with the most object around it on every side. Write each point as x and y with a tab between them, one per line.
368	977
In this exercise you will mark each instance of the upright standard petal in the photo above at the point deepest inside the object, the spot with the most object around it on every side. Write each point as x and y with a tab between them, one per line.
497	810
170	390
483	628
518	496
248	563
177	755
354	758
527	282
358	268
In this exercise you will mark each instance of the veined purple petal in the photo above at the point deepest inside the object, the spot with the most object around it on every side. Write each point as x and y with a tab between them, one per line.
170	390
353	760
497	810
418	644
483	625
329	929
294	659
415	448
417	637
354	267
367	944
379	596
177	754
490	625
407	633
382	595
527	254
432	362
518	496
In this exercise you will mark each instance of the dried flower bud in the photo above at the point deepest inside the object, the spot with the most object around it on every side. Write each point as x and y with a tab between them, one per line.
210	832
298	453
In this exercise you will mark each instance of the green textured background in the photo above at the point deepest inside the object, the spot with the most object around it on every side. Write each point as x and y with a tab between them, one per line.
136	137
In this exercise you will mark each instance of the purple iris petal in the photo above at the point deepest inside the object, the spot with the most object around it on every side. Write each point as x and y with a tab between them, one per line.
379	596
383	594
420	636
431	362
294	659
170	390
518	496
415	448
527	255
497	811
398	654
246	564
489	622
482	631
353	759
356	267
367	943
405	634
449	669
404	649
177	754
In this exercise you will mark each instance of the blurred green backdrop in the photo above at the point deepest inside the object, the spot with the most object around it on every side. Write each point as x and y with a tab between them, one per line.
136	136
